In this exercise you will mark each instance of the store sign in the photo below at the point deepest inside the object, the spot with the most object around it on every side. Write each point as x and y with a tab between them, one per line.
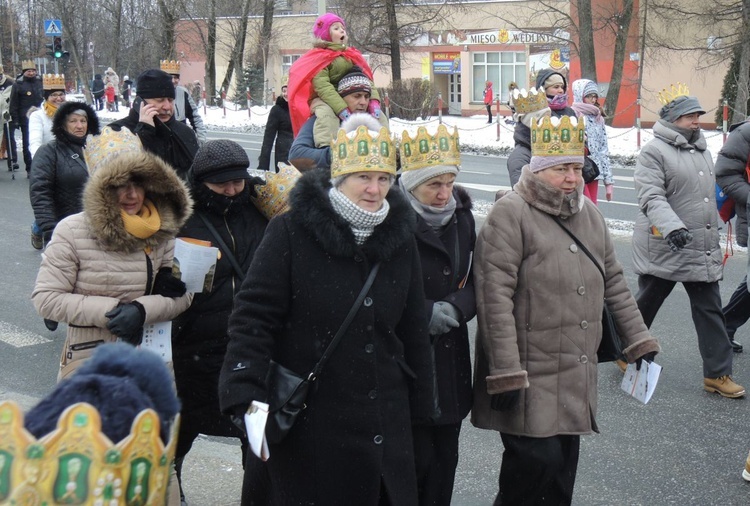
446	63
511	37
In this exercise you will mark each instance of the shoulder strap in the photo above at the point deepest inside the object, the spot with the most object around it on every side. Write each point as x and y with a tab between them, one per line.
344	326
223	246
580	245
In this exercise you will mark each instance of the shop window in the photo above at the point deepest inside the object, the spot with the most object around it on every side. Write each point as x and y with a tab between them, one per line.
501	68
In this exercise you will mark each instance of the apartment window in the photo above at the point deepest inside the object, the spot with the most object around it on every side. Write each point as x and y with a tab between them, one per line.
501	68
286	62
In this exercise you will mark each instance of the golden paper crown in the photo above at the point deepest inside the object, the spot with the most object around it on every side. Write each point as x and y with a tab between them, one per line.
359	151
529	101
53	81
272	198
558	137
100	149
170	66
78	464
427	150
28	64
666	96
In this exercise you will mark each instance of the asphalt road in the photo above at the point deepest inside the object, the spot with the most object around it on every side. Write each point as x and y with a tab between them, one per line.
686	447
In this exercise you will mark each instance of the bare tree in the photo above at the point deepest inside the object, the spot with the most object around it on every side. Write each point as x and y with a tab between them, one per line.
586	50
621	21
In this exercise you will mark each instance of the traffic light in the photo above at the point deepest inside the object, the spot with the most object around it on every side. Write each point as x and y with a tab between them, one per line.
57	49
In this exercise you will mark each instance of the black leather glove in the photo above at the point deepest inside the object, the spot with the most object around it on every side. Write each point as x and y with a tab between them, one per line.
677	239
648	357
166	285
505	400
126	322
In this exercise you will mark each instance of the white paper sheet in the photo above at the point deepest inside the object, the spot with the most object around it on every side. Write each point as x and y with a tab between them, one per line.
641	384
196	264
157	337
255	425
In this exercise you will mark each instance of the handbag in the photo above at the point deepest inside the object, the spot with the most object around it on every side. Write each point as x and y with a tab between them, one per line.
287	390
610	347
590	168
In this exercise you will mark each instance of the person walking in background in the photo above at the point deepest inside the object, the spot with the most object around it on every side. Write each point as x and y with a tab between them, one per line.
109	95
539	300
676	235
127	88
185	108
9	129
111	77
445	239
489	96
97	91
586	103
197	92
732	173
40	118
278	129
27	93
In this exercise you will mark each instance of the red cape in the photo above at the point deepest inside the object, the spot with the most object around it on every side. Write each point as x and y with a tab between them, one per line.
302	72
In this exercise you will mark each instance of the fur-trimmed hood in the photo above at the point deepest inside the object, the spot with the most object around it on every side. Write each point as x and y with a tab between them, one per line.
311	207
62	113
547	198
463	197
163	187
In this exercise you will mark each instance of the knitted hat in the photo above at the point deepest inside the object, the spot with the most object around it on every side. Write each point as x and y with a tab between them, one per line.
590	89
680	106
413	178
155	83
322	26
552	80
219	161
355	80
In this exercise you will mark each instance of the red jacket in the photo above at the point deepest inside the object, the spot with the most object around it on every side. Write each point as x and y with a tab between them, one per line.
488	95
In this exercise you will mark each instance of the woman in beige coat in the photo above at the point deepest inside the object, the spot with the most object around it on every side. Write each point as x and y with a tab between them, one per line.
539	305
104	267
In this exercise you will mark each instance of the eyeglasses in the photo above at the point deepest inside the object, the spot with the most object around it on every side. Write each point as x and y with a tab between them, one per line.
57	94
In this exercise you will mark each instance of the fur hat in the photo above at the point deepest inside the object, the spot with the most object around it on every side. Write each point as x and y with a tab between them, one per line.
155	83
353	81
219	161
553	79
680	106
322	26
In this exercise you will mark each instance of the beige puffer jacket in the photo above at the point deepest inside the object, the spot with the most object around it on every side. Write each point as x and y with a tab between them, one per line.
92	263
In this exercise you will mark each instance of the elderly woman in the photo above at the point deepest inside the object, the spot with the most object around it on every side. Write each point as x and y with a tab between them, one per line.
676	236
445	239
539	300
352	444
102	271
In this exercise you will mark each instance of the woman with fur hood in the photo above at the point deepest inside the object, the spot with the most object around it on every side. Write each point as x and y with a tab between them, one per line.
107	270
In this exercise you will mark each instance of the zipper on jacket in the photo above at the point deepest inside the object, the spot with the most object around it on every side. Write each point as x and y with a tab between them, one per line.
149	274
234	252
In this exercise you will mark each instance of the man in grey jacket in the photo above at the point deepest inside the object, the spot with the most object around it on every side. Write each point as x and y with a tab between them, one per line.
185	108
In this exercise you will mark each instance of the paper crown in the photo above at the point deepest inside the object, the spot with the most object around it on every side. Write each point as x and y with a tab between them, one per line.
558	137
78	464
170	66
359	151
272	198
666	96
427	150
53	81
529	101
100	149
28	64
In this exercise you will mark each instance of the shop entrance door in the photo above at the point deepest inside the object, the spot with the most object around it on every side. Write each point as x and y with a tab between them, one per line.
454	94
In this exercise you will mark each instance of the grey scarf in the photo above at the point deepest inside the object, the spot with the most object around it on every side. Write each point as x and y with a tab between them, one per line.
362	222
436	217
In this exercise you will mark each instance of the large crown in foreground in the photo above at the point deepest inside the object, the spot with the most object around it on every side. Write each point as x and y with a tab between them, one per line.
666	96
110	144
78	464
427	150
272	198
170	66
359	151
53	81
558	137
526	102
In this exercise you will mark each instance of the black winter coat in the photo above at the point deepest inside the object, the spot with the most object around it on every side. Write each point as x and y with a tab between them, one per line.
26	93
59	171
279	127
357	425
173	141
446	271
731	176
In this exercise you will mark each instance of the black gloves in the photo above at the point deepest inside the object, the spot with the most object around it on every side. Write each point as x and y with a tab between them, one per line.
505	400
126	322
648	357
166	285
445	316
677	239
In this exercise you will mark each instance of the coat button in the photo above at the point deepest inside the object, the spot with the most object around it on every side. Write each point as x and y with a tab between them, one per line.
574	248
700	172
584	359
447	342
369	348
446	271
708	253
378	440
692	151
708	226
705	199
584	324
368	302
373	394
581	290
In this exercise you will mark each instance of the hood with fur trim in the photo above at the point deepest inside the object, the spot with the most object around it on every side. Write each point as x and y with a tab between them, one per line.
311	207
62	113
547	198
163	187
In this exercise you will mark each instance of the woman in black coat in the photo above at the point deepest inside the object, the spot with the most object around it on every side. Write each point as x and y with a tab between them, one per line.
59	171
278	127
353	442
445	238
221	189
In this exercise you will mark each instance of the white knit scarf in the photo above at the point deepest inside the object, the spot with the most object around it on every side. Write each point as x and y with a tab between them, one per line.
361	221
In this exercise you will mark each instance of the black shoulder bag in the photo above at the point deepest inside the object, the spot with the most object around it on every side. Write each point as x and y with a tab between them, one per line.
610	347
223	246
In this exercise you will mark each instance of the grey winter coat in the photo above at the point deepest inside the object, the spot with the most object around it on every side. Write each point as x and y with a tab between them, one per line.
539	300
676	189
186	110
731	175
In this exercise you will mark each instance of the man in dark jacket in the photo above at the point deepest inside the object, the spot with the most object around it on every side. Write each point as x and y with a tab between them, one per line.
152	120
97	91
732	177
27	93
279	128
9	129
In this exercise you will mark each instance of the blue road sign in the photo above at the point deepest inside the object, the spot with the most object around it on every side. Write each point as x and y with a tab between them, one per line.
53	28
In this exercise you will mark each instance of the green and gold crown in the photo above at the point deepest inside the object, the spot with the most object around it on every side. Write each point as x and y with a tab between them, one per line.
360	151
529	101
666	96
272	198
170	66
53	81
78	464
558	137
427	150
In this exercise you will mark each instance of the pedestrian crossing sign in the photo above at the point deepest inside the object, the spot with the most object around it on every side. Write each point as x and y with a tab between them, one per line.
53	28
